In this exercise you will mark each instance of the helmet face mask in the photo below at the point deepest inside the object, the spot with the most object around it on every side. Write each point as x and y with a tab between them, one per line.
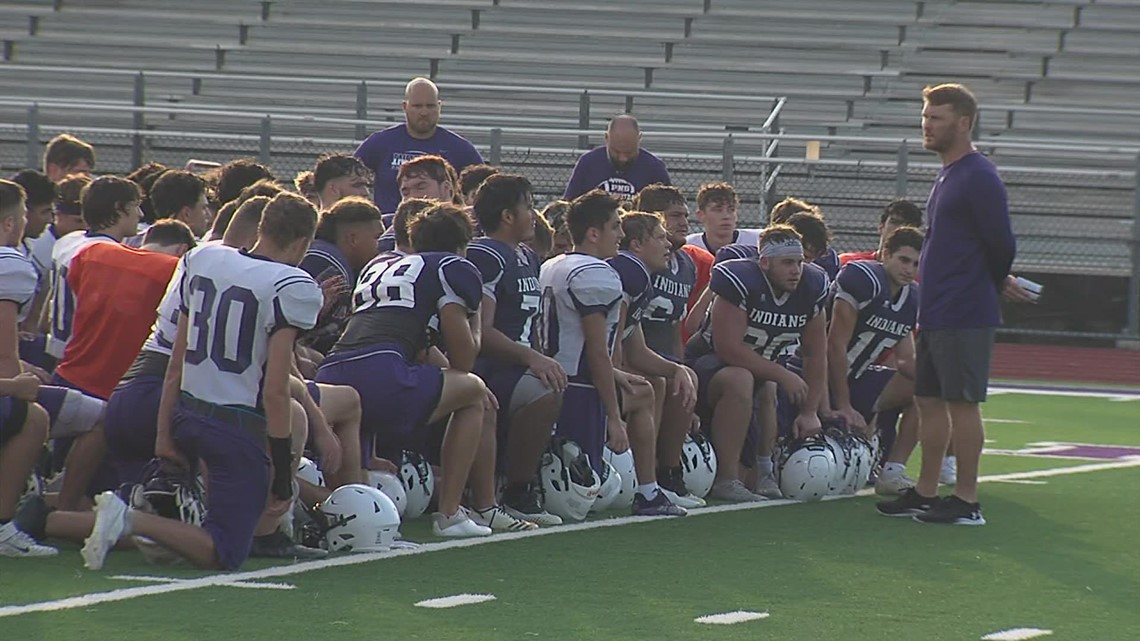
569	483
419	483
698	465
623	464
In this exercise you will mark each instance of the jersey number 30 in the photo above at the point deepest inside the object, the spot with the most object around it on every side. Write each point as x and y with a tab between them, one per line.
230	348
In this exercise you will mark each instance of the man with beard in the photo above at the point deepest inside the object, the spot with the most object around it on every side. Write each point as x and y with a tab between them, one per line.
621	167
384	151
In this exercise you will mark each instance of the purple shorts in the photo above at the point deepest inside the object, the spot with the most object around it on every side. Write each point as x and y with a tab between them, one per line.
237	480
131	424
34	350
396	397
13	414
866	389
583	420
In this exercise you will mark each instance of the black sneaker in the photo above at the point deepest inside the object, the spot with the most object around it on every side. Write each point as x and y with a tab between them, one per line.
672	482
909	503
525	502
953	511
31	516
279	546
659	505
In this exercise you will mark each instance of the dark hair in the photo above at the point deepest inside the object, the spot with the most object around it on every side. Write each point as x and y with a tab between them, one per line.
286	219
408	209
592	209
777	233
639	225
658	197
903	237
812	230
440	228
236	175
333	166
168	232
11	195
66	150
70	197
474	175
104	199
434	167
960	98
498	193
789	206
265	187
40	190
174	190
543	237
906	212
304	184
346	211
555	214
718	193
144	177
244	219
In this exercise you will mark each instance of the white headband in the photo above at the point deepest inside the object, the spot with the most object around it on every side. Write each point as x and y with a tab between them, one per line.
784	247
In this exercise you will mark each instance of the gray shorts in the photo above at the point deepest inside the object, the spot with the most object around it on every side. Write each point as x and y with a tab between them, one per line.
954	364
528	390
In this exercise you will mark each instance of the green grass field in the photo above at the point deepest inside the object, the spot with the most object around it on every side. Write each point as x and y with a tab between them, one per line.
1060	553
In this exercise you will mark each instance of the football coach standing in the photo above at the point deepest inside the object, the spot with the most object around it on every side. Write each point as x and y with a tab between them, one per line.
965	265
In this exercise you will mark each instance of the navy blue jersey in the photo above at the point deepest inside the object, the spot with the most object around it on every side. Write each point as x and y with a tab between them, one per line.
510	278
671	289
323	261
636	288
736	251
829	261
775	323
396	301
883	320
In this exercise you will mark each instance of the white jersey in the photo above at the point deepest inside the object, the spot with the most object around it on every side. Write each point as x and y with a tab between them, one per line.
165	328
17	280
749	237
62	310
575	285
39	250
234	302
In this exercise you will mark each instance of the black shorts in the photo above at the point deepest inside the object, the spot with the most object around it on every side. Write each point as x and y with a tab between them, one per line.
954	364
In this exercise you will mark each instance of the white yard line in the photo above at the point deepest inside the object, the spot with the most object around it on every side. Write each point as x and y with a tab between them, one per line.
455	600
1017	634
729	618
238	584
1121	396
124	594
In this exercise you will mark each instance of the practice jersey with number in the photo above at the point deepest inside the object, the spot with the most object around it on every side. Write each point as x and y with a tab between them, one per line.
882	321
636	288
234	302
40	250
775	323
397	301
510	278
672	288
739	237
62	307
573	286
17	280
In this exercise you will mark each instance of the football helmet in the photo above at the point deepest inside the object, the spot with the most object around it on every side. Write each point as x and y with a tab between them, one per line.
419	483
609	489
804	470
623	463
308	471
698	464
359	518
841	451
863	461
570	485
390	485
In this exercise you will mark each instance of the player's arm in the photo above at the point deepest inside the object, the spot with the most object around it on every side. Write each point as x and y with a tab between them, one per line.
171	389
275	399
696	315
813	350
9	340
435	357
325	439
618	356
456	330
599	363
645	361
34	321
904	356
843	319
496	345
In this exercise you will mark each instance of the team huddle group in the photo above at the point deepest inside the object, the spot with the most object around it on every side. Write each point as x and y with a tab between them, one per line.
510	368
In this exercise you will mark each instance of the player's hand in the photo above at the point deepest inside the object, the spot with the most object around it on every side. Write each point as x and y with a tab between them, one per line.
378	464
40	373
332	289
328	445
165	450
695	425
490	403
684	384
628	383
547	370
806	425
1012	292
795	387
616	437
853	419
26	386
276	507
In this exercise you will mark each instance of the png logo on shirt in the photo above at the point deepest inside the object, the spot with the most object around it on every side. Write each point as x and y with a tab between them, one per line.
619	188
401	157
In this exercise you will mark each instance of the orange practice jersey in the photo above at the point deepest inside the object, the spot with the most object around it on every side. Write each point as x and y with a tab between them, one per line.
704	261
117	291
847	257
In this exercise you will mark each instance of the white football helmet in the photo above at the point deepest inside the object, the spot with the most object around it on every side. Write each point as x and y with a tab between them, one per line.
359	518
390	485
698	464
805	470
308	471
842	455
571	486
609	490
863	461
623	463
419	483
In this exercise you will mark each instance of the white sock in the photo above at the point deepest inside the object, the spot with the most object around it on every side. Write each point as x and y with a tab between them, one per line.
129	521
893	469
649	490
951	460
764	467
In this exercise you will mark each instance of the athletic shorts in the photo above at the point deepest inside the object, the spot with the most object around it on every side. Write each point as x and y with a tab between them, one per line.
583	420
237	479
866	390
13	415
954	364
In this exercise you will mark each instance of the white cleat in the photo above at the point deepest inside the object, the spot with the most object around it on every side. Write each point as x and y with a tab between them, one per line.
949	474
687	500
893	484
497	518
735	492
457	525
15	543
110	526
769	488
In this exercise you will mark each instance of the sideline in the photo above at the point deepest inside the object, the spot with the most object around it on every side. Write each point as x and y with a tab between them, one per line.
124	594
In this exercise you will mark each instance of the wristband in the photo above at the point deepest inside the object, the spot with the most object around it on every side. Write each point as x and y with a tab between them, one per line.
281	454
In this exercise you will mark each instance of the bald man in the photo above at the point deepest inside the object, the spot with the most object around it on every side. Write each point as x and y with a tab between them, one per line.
384	151
620	167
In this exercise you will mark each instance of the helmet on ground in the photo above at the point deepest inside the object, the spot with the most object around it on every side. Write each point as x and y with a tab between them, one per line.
359	518
623	463
805	470
569	482
419	483
698	464
391	486
308	471
610	488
